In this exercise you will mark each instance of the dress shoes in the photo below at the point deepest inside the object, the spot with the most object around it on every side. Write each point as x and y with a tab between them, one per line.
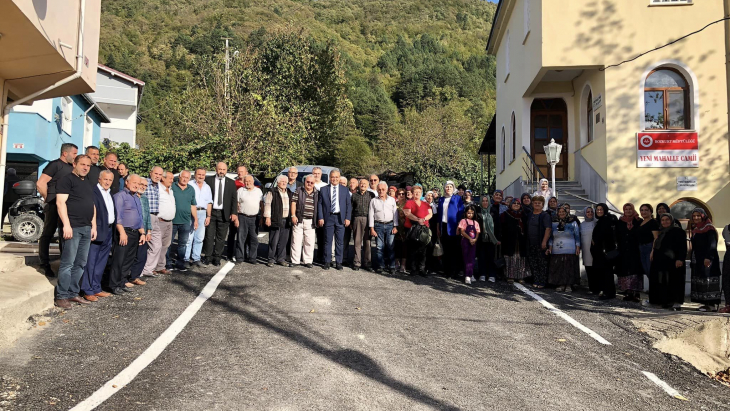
326	267
308	265
78	300
216	262
355	268
63	303
164	271
121	290
91	298
253	262
197	264
283	264
204	260
270	264
102	294
128	284
137	281
338	267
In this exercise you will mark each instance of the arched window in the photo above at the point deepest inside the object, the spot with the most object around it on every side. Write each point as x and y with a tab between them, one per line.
589	117
504	157
514	138
682	209
666	100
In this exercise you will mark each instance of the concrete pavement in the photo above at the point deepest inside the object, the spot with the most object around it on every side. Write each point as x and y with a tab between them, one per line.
293	338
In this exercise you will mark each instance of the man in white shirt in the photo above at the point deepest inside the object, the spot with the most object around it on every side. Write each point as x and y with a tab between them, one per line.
204	200
156	260
317	173
100	248
249	206
374	180
382	214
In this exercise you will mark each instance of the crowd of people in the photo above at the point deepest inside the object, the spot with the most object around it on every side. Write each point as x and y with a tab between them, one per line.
117	228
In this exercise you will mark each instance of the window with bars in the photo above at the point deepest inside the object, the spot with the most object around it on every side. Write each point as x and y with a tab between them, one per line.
669	2
666	101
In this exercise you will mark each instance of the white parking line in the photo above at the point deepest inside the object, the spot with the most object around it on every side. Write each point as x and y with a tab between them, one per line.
663	385
562	315
153	351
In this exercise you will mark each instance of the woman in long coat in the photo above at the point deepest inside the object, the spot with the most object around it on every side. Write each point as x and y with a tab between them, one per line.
514	243
705	262
667	277
586	236
628	268
603	250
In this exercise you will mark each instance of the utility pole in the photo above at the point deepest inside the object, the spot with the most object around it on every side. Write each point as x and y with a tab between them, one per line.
227	64
228	67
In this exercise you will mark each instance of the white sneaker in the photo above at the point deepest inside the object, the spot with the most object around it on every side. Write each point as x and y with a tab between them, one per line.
467	280
482	278
473	279
492	279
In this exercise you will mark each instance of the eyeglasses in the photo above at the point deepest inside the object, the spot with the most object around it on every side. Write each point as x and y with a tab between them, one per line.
373	179
401	194
308	182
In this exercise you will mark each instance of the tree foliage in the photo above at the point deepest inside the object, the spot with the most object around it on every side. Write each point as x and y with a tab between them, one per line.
316	81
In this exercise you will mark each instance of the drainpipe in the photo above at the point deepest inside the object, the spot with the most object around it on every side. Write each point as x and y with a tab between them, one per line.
8	107
727	58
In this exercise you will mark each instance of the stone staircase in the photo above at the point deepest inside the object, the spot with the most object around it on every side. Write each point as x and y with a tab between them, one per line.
565	188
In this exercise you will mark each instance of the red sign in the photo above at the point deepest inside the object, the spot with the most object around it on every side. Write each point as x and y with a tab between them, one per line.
667	149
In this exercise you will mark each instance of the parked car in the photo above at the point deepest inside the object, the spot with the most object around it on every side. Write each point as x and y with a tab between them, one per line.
232	176
304	171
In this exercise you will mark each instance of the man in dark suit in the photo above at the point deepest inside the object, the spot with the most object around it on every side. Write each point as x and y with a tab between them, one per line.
335	209
225	211
99	249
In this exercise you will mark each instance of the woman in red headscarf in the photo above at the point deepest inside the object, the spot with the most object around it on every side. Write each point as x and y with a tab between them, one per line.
705	262
628	266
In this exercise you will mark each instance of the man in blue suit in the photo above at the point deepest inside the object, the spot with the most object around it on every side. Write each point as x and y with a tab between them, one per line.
335	209
100	248
449	212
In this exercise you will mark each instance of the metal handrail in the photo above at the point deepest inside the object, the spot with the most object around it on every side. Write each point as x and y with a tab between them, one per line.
533	162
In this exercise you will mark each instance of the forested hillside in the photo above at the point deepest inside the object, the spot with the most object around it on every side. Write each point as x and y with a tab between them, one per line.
380	74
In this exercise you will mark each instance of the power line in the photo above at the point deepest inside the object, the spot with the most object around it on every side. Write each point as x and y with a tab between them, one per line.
666	45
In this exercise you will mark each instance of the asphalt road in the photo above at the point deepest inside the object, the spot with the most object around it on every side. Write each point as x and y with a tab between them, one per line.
296	338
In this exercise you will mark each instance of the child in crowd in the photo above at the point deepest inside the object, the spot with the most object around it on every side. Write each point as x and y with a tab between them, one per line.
469	231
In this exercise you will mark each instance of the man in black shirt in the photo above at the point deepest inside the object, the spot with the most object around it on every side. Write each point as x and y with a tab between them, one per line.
76	210
110	163
93	176
46	185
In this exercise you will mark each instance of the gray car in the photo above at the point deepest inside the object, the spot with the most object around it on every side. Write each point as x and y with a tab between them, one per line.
307	170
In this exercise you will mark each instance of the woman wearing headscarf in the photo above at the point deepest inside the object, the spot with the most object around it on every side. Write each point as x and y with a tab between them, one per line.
487	241
603	251
563	249
431	261
526	200
573	219
726	270
514	243
663	208
586	236
648	232
667	277
496	210
705	262
450	211
538	227
544	191
628	268
552	207
468	199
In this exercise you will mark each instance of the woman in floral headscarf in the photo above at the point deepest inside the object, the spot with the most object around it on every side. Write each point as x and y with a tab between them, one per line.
628	267
705	262
544	191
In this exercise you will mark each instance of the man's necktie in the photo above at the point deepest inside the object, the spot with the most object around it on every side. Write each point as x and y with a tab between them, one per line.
220	191
334	199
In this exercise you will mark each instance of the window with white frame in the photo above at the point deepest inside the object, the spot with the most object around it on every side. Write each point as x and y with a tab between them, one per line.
504	144
506	57
527	19
668	2
67	106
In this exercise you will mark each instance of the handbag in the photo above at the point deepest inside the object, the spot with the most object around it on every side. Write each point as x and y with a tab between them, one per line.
612	255
499	260
438	249
420	234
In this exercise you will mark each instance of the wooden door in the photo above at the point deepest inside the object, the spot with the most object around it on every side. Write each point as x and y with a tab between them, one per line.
549	120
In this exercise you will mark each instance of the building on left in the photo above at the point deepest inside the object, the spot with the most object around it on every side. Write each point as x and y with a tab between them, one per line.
48	50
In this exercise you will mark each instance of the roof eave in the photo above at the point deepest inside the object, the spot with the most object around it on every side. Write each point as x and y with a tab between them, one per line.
492	43
102	114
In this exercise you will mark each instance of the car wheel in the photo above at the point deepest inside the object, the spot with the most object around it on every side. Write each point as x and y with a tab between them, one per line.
27	228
